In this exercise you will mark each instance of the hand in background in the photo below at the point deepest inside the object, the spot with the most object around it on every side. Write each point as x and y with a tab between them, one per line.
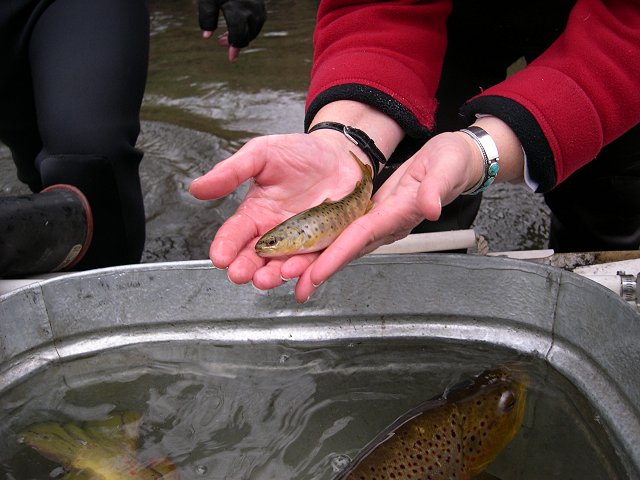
290	174
244	19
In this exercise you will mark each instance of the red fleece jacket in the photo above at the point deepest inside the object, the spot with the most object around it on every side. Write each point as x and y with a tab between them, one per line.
579	95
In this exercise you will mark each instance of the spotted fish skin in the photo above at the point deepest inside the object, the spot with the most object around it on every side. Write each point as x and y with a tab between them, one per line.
316	228
454	437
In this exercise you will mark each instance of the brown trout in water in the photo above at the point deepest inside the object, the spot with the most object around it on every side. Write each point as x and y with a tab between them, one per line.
316	228
453	437
98	449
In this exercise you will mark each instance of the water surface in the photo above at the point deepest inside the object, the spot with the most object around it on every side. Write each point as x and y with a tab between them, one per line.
269	411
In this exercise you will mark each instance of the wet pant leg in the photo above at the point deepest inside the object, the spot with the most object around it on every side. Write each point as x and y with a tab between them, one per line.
88	62
18	122
598	207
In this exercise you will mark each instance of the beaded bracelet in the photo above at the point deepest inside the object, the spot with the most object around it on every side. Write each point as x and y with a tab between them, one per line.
490	158
359	138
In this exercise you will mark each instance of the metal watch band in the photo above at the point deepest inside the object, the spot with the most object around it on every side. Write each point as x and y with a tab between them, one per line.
359	138
490	158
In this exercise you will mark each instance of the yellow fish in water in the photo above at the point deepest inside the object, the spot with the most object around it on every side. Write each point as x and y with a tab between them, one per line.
98	449
316	228
454	437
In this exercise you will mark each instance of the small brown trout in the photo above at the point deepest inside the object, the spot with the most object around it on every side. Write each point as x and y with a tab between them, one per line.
98	449
453	437
316	228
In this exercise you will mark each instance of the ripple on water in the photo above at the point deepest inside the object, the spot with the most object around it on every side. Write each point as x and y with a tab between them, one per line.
223	411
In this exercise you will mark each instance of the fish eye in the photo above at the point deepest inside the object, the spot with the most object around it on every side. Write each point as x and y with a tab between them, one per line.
271	242
507	402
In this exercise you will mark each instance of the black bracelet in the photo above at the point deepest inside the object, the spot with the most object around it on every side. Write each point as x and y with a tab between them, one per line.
359	138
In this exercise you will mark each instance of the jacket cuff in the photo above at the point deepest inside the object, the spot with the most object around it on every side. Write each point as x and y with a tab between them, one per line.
372	97
540	160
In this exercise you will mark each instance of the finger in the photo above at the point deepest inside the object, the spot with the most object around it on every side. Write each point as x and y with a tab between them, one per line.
378	227
440	187
384	224
231	238
220	181
304	288
223	40
233	54
430	200
216	183
229	174
346	248
326	265
296	265
269	276
243	268
207	34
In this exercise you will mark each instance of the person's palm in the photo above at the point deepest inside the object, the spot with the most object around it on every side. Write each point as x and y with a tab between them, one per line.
433	177
291	173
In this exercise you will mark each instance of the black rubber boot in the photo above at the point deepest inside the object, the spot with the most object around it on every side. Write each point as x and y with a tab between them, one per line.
44	232
115	196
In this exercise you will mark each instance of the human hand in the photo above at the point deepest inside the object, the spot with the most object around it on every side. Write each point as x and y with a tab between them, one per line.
446	166
244	20
290	173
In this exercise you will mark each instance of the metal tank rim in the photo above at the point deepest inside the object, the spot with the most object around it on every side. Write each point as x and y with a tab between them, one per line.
584	331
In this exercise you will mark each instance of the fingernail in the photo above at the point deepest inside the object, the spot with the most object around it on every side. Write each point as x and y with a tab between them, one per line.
316	286
284	279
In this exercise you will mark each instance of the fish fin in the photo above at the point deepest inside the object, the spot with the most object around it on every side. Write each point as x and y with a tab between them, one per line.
67	443
366	169
52	441
95	445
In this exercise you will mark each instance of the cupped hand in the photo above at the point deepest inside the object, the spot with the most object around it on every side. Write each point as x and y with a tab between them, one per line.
290	173
445	167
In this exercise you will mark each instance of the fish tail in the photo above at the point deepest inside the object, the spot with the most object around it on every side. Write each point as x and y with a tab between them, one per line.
366	169
369	207
52	441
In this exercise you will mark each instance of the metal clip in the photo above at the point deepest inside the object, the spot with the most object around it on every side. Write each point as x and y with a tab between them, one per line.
345	130
629	286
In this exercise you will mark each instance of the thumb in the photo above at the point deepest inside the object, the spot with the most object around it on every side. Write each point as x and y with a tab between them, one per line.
430	199
226	176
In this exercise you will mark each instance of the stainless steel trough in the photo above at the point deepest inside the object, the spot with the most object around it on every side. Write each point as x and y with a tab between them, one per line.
579	329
